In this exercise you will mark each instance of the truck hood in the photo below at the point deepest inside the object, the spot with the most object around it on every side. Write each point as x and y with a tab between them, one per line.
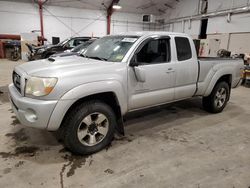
63	66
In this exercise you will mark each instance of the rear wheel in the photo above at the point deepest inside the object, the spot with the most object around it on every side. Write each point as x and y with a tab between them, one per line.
218	99
89	127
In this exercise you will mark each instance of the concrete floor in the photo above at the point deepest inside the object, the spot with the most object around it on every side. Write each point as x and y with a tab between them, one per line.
178	145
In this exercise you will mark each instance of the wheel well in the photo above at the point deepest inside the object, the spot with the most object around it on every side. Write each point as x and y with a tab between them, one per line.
226	78
108	98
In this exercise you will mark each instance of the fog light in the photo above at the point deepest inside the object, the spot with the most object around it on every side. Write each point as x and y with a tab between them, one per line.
30	115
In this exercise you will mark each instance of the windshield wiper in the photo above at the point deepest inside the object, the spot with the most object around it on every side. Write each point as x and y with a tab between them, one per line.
83	55
94	57
98	58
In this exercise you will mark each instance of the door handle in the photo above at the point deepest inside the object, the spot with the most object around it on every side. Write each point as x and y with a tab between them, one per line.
169	70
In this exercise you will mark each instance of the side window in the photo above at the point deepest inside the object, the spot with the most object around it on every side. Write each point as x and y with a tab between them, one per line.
154	51
70	43
183	48
78	41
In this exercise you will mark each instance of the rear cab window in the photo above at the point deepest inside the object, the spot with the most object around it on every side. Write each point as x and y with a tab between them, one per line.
183	48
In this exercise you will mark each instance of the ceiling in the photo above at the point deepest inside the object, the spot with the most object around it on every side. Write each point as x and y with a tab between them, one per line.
156	7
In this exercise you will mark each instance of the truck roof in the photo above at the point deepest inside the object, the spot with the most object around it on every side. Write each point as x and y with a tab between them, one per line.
147	33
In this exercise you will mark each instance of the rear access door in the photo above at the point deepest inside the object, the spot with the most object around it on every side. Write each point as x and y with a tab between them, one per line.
187	68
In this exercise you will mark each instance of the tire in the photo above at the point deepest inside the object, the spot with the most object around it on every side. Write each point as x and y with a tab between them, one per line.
89	128
15	56
217	100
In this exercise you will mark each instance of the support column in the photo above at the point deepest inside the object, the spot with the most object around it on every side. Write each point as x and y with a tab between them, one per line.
110	11
40	3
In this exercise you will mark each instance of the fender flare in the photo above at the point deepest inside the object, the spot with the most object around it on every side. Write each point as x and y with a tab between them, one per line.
85	90
98	87
218	74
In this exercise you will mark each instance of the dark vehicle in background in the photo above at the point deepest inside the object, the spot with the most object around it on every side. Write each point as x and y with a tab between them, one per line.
46	51
76	50
14	47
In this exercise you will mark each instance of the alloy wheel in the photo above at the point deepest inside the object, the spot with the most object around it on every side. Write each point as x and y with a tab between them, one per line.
220	97
93	129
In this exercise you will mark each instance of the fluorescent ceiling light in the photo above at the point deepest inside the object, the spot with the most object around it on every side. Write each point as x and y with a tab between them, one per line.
116	6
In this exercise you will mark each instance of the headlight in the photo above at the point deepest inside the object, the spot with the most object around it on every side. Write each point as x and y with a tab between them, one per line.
38	86
41	50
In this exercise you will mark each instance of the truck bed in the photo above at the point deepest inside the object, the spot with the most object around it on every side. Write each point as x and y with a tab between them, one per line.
208	66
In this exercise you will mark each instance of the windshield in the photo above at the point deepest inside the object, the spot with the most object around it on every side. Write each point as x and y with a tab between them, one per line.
110	48
63	42
81	46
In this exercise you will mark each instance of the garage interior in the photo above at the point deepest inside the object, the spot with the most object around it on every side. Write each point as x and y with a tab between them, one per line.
174	145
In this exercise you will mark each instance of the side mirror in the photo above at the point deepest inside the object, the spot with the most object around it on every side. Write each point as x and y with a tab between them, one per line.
139	71
134	62
140	74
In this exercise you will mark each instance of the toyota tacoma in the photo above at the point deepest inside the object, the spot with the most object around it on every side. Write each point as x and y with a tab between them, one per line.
84	98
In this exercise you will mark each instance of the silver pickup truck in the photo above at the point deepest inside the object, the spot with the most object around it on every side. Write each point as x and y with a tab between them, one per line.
85	97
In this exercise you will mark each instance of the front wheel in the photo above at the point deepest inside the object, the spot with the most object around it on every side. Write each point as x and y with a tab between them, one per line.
218	99
89	127
15	56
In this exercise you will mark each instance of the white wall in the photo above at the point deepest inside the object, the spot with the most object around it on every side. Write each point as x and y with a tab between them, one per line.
235	35
66	22
192	27
239	22
63	22
16	18
239	43
224	39
184	9
215	5
121	22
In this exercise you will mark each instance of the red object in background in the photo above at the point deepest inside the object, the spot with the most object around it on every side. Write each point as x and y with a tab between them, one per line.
41	39
108	23
7	36
2	54
40	3
110	11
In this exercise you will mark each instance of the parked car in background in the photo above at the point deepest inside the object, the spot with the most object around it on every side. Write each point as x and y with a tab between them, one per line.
76	50
15	49
85	97
46	51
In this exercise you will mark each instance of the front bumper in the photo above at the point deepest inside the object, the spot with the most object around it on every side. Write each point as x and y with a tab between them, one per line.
31	112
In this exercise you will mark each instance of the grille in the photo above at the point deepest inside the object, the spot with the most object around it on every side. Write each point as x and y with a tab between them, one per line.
17	81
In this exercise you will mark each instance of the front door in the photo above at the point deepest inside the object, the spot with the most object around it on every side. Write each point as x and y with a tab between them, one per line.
153	58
